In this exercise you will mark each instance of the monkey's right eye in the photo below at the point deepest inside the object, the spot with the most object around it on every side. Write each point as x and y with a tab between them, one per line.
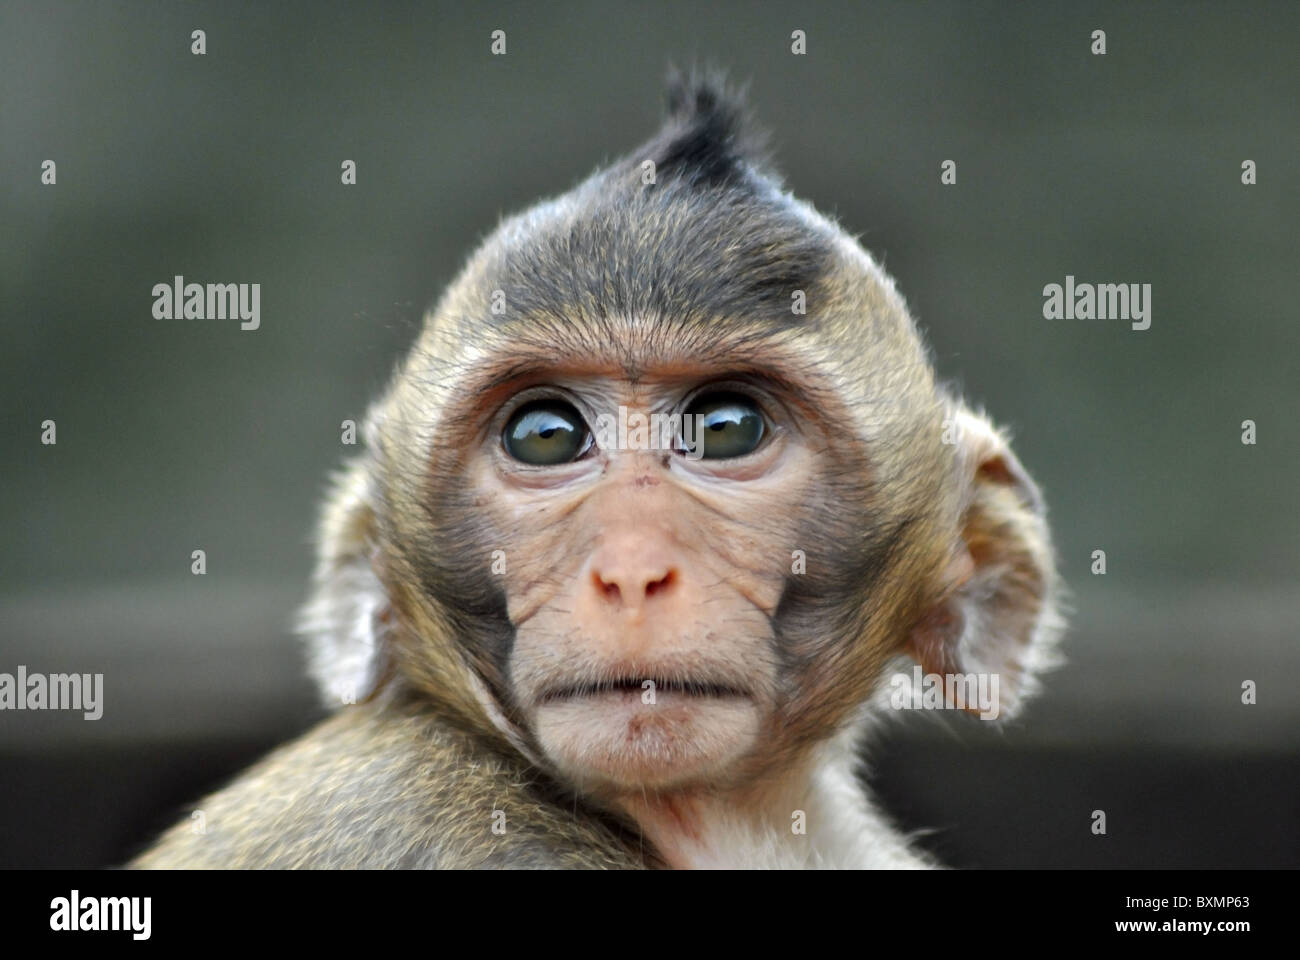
545	433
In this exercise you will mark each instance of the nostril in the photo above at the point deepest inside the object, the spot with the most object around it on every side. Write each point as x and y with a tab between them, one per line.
663	583
607	589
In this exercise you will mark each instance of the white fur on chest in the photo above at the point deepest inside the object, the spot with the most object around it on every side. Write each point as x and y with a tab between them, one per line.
841	828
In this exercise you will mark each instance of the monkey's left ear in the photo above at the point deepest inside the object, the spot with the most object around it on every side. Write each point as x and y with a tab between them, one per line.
998	615
347	619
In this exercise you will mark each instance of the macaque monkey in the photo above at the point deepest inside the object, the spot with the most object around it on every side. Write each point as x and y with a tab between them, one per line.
556	638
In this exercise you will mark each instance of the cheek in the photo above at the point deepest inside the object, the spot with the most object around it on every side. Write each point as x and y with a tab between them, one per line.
536	545
751	547
540	567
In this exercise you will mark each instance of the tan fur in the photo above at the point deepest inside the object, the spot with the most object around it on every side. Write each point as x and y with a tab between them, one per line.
391	784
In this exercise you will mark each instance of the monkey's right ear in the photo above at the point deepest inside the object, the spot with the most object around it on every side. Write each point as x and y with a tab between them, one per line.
347	618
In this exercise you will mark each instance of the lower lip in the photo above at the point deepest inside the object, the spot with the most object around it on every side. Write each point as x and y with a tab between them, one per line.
615	739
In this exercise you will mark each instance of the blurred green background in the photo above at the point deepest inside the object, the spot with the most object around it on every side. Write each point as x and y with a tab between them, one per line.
178	435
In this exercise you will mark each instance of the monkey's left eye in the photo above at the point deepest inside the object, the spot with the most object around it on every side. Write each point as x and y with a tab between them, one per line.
728	425
546	433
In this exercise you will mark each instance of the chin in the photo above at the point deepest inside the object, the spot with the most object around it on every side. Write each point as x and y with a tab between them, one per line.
612	742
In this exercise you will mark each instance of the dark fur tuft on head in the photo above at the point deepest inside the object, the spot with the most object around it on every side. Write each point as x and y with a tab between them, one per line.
710	239
709	138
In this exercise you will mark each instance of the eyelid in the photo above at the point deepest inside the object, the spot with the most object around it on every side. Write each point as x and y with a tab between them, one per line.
530	395
736	387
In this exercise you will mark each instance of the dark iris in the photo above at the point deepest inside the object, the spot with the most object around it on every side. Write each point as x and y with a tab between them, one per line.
730	425
545	433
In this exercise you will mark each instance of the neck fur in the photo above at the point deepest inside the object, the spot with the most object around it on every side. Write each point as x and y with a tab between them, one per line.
758	827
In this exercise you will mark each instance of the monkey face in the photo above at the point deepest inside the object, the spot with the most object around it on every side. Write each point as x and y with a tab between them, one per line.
650	567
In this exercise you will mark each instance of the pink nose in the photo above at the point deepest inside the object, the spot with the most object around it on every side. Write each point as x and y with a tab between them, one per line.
631	587
629	571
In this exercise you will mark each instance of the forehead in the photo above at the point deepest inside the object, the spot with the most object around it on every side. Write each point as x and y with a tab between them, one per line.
641	271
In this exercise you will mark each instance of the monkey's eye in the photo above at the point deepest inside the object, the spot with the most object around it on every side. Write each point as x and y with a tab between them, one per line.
545	433
725	424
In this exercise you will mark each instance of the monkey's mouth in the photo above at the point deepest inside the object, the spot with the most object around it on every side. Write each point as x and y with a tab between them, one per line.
648	689
632	726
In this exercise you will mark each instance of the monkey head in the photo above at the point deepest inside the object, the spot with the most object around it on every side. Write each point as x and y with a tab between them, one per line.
667	483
